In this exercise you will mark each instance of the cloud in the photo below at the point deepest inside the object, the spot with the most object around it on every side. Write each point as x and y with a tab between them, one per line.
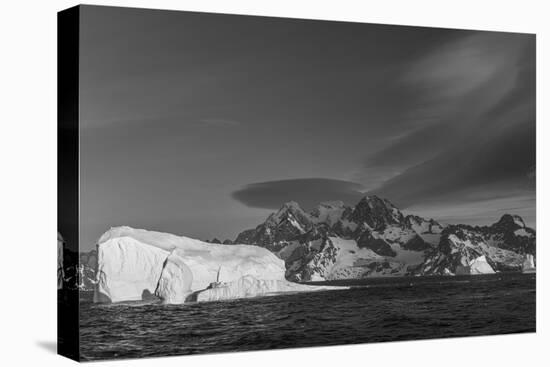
478	96
497	162
308	192
458	68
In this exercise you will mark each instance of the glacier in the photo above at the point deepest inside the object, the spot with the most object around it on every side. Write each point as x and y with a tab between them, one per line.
135	263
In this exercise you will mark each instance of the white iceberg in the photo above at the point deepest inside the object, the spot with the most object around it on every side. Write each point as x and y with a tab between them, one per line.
175	282
135	263
528	265
127	270
475	266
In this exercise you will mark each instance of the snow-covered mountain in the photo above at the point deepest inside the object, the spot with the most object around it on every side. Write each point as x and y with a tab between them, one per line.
503	246
336	241
374	238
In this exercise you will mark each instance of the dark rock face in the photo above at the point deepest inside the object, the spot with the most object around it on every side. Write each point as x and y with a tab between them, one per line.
227	242
509	222
376	213
511	234
309	261
423	226
416	244
248	236
451	254
378	245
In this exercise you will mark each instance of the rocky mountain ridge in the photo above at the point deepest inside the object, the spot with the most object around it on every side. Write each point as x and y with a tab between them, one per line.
374	238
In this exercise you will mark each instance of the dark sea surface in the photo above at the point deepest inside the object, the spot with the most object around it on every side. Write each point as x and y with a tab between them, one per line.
373	310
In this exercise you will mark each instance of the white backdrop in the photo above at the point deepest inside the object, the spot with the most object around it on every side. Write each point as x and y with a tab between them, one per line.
28	205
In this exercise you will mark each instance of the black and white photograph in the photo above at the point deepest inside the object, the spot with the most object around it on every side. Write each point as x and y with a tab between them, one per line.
232	183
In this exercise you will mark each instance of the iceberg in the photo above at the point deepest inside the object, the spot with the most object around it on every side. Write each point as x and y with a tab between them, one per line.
480	266
127	270
475	266
134	264
176	279
203	258
248	286
528	265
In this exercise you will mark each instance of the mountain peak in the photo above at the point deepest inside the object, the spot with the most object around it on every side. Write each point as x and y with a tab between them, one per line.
510	220
376	212
289	210
290	205
373	200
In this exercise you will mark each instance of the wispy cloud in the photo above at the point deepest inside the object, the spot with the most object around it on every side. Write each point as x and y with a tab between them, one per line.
479	93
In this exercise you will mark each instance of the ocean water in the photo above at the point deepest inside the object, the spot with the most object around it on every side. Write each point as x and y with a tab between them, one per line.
373	310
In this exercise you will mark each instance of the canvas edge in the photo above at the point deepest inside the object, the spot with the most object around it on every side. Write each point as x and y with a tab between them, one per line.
68	43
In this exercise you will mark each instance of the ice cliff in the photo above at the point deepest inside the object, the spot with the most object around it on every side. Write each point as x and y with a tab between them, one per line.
175	282
134	264
475	266
128	269
248	286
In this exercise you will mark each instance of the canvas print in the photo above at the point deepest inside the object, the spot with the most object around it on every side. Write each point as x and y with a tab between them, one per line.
233	183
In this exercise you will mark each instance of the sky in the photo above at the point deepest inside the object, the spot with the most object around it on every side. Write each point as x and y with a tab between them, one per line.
203	124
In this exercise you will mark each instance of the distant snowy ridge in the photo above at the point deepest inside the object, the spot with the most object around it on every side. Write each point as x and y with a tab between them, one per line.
335	241
134	264
374	238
